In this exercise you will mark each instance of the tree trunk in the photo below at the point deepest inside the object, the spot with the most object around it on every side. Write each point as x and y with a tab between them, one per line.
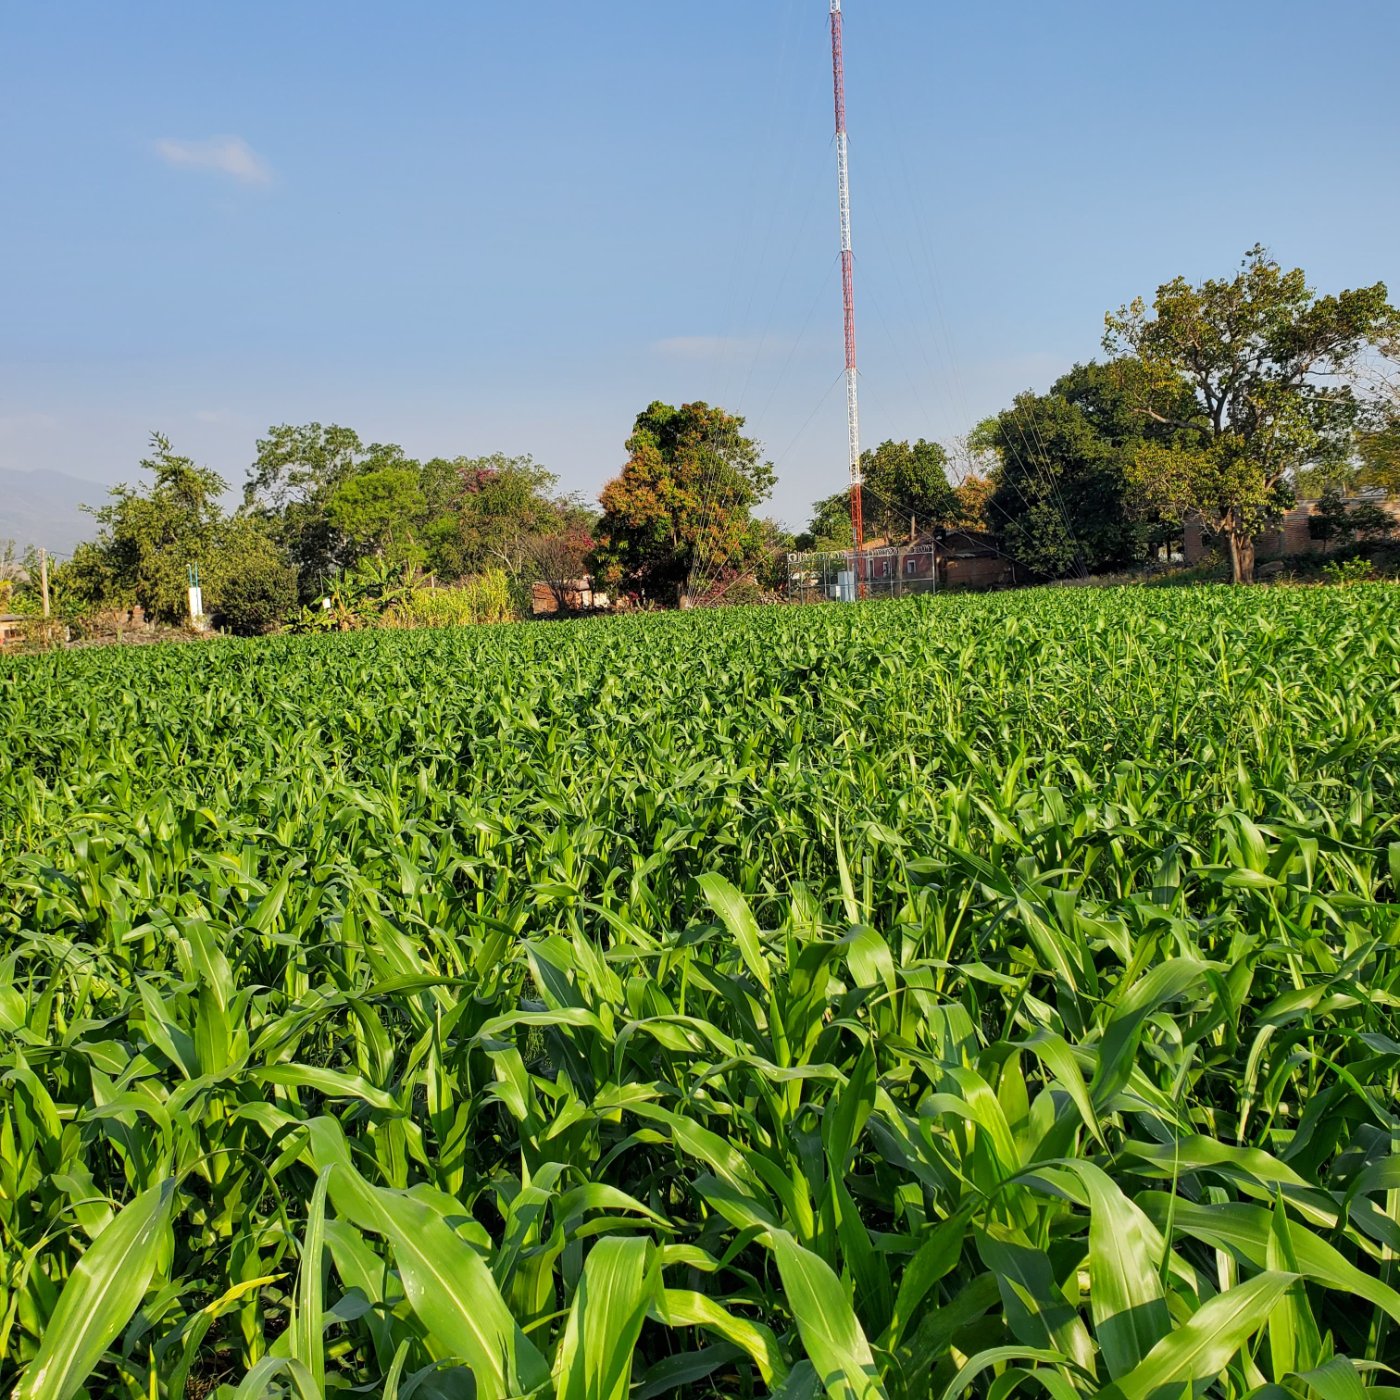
1241	557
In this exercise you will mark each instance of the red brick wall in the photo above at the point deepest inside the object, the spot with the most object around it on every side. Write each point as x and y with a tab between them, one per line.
981	572
1292	540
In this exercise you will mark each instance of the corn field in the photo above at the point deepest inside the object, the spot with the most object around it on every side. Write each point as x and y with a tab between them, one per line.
944	997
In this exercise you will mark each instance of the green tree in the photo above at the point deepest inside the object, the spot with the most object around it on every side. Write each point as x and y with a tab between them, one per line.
148	537
331	501
503	513
902	480
1378	448
441	483
292	482
682	508
504	505
1061	502
1270	364
1340	521
1331	521
906	481
830	526
15	576
378	512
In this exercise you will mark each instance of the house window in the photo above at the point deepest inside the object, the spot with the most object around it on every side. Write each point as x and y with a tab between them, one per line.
911	565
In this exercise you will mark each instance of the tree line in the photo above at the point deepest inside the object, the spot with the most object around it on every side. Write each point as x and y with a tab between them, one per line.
1218	402
318	504
325	515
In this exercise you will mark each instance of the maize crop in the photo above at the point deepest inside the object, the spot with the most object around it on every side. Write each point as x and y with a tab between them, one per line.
966	996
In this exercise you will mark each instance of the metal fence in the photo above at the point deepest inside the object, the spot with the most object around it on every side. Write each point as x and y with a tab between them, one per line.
890	571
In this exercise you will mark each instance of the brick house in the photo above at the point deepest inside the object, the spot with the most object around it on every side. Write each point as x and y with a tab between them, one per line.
569	595
1291	540
966	559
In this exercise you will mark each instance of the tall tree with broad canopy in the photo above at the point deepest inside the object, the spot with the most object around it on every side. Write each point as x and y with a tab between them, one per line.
149	536
682	507
1272	368
907	482
1377	461
504	505
332	501
1061	503
379	512
929	503
1378	450
830	526
503	513
292	482
250	586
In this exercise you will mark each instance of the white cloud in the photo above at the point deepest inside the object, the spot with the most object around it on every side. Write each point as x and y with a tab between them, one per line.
712	347
227	155
15	424
213	415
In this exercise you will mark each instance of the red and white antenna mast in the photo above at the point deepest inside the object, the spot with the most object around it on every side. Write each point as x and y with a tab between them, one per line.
848	288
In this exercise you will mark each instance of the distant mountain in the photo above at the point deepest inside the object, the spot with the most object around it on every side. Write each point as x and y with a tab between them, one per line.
44	508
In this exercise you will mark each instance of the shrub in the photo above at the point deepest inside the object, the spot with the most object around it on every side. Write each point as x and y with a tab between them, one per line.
1347	571
485	598
255	599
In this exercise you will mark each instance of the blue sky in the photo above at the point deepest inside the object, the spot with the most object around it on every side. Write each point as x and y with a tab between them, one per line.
468	227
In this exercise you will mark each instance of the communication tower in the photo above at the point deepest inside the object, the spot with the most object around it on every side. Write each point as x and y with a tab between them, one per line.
848	295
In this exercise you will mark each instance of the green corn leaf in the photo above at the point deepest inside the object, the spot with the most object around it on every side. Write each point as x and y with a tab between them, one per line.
1037	1311
255	1384
1247	1230
1162	984
447	1284
1294	1341
682	1373
395	1372
618	1287
334	1084
1055	1054
802	1383
104	1289
306	1331
936	1257
679	1307
735	915
831	1335
1001	1356
1125	1257
1203	1346
1337	1379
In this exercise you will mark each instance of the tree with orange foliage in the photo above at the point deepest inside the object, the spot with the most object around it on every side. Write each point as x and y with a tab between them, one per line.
682	507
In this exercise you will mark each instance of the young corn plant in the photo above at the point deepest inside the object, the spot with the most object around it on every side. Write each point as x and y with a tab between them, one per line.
952	997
